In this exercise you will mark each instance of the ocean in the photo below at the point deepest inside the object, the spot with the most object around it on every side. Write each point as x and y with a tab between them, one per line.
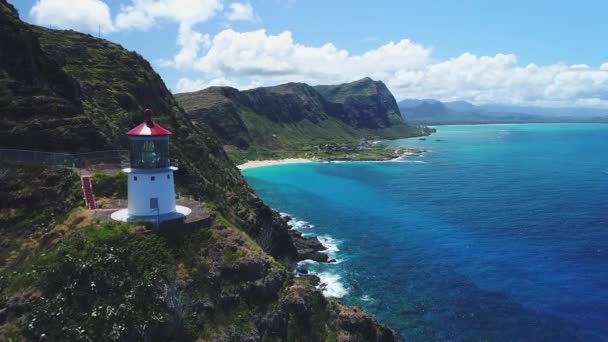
498	232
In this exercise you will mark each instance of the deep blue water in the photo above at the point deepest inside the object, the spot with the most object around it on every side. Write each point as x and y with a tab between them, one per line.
499	232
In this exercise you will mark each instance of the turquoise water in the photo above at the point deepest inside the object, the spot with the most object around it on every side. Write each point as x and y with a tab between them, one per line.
499	232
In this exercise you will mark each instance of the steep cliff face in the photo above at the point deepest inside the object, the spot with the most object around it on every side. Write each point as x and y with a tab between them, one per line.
363	104
291	115
221	110
291	102
66	276
38	100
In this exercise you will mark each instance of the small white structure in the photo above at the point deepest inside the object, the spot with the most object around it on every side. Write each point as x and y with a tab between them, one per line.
151	187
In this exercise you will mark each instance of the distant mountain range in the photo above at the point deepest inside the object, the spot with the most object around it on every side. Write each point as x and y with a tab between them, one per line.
430	111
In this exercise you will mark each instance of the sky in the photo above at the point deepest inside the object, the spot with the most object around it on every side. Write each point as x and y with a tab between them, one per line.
545	53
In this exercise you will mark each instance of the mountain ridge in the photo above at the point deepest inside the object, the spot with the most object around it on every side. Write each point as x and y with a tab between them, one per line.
430	111
291	115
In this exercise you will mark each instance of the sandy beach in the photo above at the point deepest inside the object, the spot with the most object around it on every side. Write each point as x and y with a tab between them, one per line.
259	163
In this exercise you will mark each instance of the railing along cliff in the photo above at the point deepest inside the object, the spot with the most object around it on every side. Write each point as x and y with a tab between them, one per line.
65	159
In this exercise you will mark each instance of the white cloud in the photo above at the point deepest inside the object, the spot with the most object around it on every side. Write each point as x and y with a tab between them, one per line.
406	67
190	42
143	14
241	11
83	15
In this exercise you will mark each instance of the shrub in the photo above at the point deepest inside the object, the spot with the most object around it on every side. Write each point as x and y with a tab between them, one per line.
105	185
105	282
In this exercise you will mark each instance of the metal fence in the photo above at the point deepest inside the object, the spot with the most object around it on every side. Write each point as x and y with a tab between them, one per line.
110	159
97	159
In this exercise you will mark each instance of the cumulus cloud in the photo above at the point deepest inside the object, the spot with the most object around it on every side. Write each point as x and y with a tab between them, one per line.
83	15
255	58
241	11
143	14
190	42
257	54
408	68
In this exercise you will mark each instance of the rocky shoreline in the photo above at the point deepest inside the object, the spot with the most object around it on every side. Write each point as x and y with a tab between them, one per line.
308	248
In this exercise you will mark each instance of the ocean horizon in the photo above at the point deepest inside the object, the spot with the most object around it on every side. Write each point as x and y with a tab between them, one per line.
497	232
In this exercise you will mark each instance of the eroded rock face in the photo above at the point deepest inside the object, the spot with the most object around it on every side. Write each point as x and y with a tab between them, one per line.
308	247
306	315
36	96
363	104
357	324
261	299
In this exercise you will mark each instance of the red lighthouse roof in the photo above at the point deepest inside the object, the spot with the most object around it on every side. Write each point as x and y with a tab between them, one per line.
148	127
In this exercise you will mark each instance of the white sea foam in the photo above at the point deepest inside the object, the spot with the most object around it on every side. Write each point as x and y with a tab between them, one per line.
405	160
330	244
297	224
307	262
366	298
331	285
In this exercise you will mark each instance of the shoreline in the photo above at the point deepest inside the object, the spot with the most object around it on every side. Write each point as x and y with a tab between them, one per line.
270	162
251	164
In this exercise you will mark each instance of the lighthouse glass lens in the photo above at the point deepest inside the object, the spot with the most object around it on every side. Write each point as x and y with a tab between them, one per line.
149	154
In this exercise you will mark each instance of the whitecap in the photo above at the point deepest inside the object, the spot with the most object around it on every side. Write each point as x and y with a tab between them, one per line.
331	286
307	262
294	223
299	224
366	298
330	244
405	160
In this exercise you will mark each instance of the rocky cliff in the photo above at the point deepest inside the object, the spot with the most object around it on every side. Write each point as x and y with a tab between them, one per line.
292	115
64	275
363	104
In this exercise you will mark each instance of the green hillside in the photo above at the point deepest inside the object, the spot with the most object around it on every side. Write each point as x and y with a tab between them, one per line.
64	275
295	117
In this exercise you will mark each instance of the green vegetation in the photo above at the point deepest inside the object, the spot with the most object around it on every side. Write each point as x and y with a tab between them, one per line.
362	151
110	185
33	199
66	276
89	92
106	281
296	120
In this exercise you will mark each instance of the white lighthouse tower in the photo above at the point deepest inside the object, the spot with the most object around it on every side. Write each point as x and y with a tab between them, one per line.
151	188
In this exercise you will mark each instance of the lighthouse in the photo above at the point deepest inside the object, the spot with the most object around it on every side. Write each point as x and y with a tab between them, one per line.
151	188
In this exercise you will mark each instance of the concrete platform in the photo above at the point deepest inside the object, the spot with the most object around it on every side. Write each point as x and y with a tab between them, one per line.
122	215
199	214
